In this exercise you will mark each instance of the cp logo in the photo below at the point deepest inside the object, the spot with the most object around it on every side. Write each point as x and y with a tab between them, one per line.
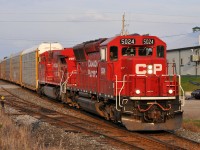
142	68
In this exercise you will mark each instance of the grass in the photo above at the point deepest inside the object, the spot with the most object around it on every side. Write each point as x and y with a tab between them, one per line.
187	86
192	125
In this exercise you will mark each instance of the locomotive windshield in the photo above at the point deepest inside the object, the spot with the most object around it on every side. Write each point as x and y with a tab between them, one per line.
128	51
145	51
142	51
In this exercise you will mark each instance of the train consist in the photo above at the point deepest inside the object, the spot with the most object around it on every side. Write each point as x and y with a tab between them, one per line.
124	79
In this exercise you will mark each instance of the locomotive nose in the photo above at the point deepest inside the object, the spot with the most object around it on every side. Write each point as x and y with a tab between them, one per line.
154	115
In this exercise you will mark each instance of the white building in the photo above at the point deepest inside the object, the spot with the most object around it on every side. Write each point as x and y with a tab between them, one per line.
184	50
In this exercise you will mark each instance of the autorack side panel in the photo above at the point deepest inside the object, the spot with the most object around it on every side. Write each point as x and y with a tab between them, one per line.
29	69
1	63
3	69
7	67
0	69
16	68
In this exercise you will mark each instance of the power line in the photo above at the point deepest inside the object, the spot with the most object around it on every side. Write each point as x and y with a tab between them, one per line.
56	21
75	41
36	40
91	21
58	13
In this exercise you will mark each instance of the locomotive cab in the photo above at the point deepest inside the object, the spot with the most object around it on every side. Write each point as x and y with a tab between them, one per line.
144	92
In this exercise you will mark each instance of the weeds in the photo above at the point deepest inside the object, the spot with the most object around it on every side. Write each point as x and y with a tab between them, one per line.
185	82
192	125
13	137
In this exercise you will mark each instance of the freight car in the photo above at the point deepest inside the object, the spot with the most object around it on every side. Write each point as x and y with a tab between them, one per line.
124	79
22	68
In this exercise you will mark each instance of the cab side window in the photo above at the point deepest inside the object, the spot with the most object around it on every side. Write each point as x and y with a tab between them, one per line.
160	51
62	60
113	53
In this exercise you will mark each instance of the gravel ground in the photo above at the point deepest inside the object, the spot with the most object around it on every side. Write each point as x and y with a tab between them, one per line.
188	134
56	137
53	136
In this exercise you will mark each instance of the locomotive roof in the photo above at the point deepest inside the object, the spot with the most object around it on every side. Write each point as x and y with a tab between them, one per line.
107	41
43	47
117	36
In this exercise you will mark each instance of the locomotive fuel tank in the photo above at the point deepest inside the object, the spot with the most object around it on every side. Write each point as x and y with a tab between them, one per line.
89	105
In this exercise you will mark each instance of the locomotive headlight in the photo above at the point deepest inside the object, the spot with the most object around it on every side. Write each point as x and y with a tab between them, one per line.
137	91
170	91
149	69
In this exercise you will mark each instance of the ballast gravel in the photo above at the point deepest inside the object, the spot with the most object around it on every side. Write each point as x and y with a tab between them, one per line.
52	136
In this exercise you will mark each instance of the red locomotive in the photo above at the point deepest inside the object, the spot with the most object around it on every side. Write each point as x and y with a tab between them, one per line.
54	69
124	79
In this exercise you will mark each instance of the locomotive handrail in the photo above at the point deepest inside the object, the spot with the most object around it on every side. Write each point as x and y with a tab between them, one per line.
116	81
61	90
61	84
123	81
118	100
118	94
183	97
173	68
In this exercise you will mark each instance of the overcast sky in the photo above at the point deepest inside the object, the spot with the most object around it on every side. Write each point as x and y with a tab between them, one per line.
26	23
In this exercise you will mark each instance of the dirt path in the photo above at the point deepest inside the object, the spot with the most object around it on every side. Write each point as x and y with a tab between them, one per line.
191	109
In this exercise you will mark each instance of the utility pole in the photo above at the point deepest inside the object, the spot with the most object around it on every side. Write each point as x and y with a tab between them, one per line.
123	25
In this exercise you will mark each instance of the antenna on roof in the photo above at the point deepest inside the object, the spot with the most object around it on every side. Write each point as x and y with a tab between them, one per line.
123	32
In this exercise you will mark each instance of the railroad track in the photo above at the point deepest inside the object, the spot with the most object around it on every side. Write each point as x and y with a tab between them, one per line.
110	134
170	137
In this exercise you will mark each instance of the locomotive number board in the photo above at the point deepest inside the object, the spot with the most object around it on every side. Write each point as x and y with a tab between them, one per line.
148	41
127	41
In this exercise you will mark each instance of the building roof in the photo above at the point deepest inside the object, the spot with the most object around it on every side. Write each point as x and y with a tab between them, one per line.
183	41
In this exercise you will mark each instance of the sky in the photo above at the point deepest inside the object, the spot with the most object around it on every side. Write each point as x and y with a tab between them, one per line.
26	23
